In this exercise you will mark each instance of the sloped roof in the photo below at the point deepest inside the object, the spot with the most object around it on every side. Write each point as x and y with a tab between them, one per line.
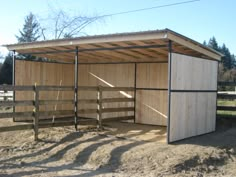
120	47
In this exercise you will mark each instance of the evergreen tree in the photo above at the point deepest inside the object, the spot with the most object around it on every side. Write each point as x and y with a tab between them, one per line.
227	70
213	43
6	71
227	59
30	31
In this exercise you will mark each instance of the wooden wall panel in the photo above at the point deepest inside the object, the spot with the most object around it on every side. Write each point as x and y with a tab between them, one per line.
116	75
29	73
151	107
191	114
113	75
109	75
191	73
192	104
152	75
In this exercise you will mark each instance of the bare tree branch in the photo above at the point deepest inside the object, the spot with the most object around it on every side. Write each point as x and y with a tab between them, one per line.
62	24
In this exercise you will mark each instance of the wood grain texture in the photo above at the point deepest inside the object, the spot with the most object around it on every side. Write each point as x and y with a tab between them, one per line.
109	75
152	75
29	73
151	107
192	114
191	73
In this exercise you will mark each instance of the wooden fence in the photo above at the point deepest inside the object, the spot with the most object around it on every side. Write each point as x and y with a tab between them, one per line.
5	95
226	100
70	116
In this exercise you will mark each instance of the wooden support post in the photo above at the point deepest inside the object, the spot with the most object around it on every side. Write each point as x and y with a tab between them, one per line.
99	114
135	85
13	81
76	88
5	97
36	112
169	89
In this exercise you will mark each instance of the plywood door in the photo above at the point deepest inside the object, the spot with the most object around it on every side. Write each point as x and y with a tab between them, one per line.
193	97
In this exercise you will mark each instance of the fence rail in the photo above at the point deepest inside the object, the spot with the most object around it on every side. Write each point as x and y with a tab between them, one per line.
38	117
226	101
6	95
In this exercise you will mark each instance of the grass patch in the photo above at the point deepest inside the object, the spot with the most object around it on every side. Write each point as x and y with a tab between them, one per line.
226	103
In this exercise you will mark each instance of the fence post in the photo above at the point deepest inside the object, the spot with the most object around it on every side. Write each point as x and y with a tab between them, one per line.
99	114
5	97
36	112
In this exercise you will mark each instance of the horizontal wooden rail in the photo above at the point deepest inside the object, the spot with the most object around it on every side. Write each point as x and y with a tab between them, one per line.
16	103
226	108
88	101
83	121
46	102
117	88
56	113
109	100
226	83
62	88
227	116
66	123
55	124
110	119
16	114
87	88
55	88
16	88
16	127
87	111
88	121
43	119
226	96
122	109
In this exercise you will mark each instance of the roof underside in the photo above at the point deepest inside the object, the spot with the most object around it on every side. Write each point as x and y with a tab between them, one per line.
148	46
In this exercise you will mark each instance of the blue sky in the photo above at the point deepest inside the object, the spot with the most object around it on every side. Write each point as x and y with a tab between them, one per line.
198	20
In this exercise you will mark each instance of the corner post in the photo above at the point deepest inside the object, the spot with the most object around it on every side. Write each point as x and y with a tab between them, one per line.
36	112
13	81
169	88
217	79
135	85
76	87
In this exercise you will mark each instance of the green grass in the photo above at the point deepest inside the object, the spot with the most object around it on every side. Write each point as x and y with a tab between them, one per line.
226	103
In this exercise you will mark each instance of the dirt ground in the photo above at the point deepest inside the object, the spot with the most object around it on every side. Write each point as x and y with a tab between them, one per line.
124	149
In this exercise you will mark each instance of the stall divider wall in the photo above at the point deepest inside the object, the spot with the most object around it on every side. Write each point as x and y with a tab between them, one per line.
193	96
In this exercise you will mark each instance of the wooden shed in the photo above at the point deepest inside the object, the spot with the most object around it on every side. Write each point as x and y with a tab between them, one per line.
174	77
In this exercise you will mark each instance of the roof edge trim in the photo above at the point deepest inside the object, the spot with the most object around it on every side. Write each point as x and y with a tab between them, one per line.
194	45
160	34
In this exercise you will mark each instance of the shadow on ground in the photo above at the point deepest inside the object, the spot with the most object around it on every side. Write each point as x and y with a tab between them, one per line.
79	149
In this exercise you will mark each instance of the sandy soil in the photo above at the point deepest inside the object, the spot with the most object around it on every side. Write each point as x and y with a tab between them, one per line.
122	150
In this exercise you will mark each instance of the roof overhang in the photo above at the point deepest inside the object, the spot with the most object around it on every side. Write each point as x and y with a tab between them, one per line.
124	47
